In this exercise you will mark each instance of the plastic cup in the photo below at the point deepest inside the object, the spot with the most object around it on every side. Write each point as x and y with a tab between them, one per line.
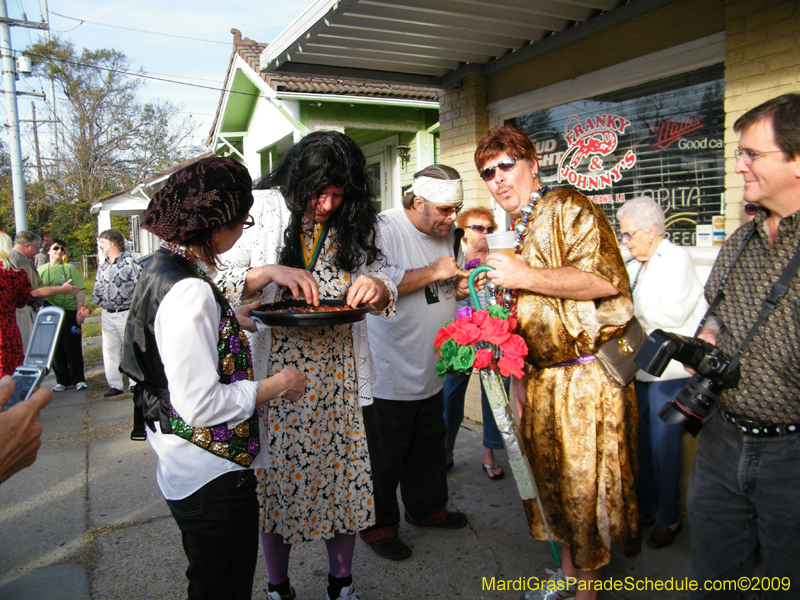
502	242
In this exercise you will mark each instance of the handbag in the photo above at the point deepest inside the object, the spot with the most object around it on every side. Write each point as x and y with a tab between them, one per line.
616	355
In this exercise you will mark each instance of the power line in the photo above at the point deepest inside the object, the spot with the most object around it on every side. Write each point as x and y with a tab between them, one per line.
82	21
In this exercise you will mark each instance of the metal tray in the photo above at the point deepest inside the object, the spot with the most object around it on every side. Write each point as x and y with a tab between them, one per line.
276	315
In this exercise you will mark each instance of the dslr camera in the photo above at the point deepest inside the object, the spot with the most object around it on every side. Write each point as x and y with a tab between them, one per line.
695	401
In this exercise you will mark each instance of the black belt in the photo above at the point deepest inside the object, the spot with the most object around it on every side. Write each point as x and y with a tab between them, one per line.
760	429
116	310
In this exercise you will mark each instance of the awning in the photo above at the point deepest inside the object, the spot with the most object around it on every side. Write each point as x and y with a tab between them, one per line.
436	43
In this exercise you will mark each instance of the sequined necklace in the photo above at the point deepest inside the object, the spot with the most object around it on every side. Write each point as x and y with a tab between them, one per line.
242	443
519	226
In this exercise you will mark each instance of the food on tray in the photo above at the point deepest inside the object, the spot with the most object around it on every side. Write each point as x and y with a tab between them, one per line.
322	308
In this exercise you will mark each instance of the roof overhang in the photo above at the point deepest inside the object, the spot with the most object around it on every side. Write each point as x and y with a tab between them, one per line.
438	43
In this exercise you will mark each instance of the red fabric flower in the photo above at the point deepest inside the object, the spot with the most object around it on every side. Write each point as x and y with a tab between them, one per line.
479	317
514	346
441	338
511	365
495	331
483	358
466	334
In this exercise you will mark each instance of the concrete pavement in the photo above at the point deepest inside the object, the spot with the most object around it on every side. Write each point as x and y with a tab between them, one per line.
87	521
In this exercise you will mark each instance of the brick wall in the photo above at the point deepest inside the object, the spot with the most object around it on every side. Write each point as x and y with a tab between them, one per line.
462	121
762	60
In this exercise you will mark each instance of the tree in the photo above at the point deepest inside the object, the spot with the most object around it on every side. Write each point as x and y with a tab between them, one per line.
109	140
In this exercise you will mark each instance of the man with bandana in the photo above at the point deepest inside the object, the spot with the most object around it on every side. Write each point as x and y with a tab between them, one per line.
405	424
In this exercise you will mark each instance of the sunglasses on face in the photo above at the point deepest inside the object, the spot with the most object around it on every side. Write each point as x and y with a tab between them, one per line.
750	209
447	211
626	237
482	229
58	248
249	222
504	165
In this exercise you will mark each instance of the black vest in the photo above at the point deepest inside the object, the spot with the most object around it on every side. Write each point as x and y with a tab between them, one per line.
141	360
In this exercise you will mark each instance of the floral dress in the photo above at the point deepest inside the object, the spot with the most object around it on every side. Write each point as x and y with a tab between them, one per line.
15	292
318	482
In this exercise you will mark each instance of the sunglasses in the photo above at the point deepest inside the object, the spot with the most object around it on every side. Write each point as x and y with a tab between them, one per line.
751	209
58	248
504	165
626	237
249	222
482	229
447	211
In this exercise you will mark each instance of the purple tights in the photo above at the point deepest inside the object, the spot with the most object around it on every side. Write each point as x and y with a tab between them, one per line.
276	554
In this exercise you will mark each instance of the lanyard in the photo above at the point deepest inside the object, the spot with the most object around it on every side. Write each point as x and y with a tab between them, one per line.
316	248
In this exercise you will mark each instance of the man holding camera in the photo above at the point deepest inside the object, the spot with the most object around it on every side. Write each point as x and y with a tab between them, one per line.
744	493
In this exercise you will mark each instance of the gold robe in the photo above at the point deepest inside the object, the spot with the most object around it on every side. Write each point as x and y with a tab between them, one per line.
579	432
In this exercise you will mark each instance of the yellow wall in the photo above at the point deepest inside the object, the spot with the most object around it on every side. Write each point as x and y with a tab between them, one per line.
762	60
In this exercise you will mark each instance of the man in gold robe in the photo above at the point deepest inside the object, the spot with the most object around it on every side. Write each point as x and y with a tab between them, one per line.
572	294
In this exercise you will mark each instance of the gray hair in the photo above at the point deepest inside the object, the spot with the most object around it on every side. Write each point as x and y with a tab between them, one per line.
644	212
24	238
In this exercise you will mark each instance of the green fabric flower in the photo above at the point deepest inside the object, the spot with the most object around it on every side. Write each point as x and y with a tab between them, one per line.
464	359
496	310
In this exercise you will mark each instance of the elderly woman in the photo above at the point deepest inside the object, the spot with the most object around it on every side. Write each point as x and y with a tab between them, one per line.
666	295
316	214
476	223
184	348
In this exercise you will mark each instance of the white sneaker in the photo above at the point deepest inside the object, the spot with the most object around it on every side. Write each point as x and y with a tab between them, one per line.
59	388
555	588
348	593
277	596
81	385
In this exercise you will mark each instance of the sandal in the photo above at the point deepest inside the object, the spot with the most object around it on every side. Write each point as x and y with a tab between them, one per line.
494	468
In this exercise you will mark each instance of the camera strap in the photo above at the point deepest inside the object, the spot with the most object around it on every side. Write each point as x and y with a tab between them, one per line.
776	294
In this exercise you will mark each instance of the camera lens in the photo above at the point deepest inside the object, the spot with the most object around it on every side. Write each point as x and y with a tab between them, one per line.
692	404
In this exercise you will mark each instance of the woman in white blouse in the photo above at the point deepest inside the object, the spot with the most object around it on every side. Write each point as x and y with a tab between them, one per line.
666	295
184	348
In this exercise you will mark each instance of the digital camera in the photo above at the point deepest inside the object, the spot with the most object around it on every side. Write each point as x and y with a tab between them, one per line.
694	402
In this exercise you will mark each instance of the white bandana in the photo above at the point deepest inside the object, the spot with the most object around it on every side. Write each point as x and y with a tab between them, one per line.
438	191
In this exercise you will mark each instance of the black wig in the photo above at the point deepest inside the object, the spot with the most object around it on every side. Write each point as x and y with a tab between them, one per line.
319	160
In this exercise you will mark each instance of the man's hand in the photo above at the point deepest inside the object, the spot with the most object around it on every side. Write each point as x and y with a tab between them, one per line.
446	267
68	288
370	291
242	313
83	312
707	335
462	285
299	281
20	429
510	273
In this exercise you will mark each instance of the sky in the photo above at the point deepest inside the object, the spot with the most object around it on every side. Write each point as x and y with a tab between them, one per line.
194	69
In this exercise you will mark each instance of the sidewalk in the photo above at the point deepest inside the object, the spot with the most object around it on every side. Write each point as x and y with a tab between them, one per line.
87	521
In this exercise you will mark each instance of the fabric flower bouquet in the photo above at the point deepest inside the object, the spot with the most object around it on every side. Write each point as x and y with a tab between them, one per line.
480	339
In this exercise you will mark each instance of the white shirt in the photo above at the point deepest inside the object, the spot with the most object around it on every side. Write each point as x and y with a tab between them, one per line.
667	295
187	332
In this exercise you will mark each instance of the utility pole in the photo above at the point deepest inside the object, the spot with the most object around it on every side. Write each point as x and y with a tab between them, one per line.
36	143
10	81
14	146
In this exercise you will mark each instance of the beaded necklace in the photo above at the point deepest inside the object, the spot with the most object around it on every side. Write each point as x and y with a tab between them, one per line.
242	443
519	225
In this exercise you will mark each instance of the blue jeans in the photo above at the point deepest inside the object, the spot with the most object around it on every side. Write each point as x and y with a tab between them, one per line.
659	453
744	497
219	528
455	390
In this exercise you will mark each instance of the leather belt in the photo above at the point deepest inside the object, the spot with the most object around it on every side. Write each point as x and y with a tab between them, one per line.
116	310
757	429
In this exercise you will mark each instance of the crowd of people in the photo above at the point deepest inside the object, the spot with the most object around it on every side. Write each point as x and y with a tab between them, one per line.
305	433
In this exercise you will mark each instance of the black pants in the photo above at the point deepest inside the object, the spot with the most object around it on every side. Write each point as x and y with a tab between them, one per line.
406	447
68	357
219	528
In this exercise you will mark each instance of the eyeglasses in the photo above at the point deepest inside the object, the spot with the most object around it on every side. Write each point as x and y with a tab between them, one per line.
751	209
482	229
750	155
249	222
447	211
626	237
58	248
504	165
